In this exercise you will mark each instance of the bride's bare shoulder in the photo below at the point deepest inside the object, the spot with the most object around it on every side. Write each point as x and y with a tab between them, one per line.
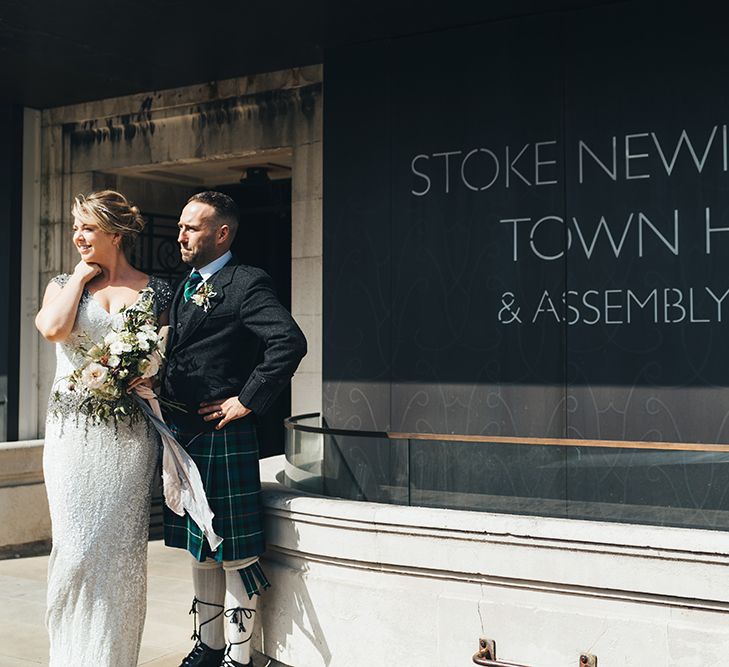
139	280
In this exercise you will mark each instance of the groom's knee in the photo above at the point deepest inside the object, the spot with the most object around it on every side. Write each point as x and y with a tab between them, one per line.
240	564
207	564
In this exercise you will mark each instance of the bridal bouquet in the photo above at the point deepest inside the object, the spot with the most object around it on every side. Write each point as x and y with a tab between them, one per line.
135	349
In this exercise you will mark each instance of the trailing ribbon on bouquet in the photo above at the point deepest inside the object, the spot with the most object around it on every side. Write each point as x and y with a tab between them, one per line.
181	482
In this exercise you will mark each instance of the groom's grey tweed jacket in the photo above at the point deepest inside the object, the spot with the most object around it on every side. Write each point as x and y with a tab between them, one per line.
216	353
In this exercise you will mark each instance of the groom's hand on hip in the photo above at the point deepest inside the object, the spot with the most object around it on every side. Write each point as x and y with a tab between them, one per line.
224	409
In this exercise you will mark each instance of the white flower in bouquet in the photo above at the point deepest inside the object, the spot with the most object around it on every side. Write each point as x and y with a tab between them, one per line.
119	347
149	330
143	341
113	361
94	375
112	337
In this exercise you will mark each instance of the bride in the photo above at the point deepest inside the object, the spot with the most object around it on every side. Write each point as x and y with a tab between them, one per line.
98	473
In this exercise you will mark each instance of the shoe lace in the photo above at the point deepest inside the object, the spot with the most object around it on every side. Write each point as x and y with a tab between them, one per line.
229	662
191	657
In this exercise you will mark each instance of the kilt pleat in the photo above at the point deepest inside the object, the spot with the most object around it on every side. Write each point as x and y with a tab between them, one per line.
228	465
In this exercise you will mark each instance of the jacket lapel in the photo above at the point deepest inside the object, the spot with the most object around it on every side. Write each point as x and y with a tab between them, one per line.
173	314
219	282
175	300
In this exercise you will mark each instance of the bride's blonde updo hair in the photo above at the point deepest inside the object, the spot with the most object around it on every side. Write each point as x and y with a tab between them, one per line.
112	212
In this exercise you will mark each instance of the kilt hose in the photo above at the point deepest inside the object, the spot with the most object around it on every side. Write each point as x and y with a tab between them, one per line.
228	465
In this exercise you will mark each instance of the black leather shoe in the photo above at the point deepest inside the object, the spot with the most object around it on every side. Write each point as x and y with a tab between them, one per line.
229	662
203	656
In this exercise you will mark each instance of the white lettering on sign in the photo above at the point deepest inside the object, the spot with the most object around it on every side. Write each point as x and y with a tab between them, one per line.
650	164
615	236
667	305
642	155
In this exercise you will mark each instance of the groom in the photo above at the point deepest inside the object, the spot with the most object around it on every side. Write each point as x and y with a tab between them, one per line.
223	316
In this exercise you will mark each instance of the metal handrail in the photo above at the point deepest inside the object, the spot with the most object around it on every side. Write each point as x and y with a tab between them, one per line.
292	424
486	657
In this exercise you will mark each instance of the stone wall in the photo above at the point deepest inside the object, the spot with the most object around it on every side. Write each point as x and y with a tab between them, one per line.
356	584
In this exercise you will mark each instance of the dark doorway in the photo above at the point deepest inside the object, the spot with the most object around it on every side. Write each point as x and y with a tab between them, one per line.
11	155
264	240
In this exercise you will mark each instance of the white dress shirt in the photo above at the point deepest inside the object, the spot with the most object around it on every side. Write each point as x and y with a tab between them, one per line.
209	270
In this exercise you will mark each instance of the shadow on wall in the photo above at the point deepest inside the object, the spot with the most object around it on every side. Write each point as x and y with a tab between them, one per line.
287	609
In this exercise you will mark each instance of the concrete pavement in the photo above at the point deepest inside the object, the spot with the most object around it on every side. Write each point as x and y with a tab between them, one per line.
23	639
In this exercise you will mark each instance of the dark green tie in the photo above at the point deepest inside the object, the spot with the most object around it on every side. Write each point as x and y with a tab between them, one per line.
191	285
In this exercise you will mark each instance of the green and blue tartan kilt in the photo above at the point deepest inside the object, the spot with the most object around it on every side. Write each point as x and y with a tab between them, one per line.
228	465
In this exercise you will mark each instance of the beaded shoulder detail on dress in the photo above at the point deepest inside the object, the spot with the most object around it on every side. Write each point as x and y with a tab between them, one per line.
161	288
61	279
162	293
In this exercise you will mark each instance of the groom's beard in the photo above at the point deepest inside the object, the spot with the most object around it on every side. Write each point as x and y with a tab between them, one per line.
201	256
195	259
188	257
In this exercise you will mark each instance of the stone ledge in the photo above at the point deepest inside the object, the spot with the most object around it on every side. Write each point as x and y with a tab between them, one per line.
25	523
639	538
21	463
672	566
344	572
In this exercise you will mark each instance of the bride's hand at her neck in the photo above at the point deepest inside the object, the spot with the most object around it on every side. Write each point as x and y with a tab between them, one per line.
58	313
85	271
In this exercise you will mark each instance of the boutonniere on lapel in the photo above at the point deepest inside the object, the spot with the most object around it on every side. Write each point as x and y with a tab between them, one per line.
203	296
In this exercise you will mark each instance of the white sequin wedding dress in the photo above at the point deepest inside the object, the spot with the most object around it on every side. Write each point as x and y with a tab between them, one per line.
99	480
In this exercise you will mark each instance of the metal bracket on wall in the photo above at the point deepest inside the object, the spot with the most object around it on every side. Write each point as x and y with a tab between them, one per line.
486	656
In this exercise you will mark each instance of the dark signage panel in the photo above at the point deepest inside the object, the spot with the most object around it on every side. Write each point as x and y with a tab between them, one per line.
475	141
647	173
648	179
357	268
527	234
